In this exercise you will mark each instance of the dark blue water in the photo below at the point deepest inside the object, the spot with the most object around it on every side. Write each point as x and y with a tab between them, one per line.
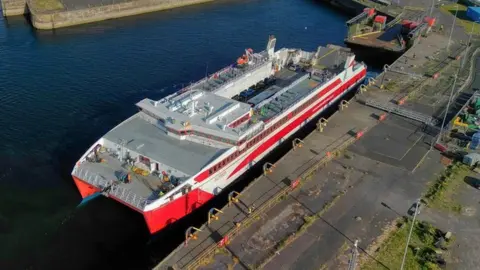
60	91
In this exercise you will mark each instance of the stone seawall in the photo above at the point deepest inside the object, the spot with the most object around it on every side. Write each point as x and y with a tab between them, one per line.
13	7
63	18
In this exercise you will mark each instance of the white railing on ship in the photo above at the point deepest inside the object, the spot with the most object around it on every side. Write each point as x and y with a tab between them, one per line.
250	69
119	192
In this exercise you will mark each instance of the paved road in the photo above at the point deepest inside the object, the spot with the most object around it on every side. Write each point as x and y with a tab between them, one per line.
378	197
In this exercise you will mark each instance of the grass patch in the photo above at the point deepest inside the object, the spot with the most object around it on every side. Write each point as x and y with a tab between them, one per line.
462	17
441	193
421	253
392	85
47	5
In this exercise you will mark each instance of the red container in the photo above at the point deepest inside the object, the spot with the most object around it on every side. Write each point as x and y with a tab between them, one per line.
430	21
371	12
380	19
413	25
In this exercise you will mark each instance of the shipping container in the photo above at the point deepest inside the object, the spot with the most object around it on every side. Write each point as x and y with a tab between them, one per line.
474	13
380	19
370	11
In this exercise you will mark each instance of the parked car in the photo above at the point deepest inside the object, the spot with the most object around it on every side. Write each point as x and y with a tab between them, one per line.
411	211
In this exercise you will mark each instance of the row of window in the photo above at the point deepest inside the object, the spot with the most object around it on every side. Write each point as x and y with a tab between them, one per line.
239	121
268	131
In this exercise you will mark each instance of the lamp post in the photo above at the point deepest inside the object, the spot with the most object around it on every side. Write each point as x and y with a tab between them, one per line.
471	31
453	26
417	205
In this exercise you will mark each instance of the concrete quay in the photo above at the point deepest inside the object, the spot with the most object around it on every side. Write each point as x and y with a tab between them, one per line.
63	17
54	14
13	7
357	194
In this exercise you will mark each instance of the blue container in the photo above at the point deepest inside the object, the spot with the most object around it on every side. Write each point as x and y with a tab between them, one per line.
475	141
473	13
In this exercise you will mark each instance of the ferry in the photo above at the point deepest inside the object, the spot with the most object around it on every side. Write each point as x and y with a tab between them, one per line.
177	153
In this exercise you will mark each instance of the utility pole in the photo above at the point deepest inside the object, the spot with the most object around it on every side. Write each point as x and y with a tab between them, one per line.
468	44
431	8
353	260
471	32
417	205
453	26
448	105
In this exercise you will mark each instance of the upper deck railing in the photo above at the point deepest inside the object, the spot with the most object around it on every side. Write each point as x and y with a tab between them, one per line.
250	68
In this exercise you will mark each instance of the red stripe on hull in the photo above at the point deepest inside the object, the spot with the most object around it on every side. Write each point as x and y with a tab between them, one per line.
84	188
282	133
202	176
165	215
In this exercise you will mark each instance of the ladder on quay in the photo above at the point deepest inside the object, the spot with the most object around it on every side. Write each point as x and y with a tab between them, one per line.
399	110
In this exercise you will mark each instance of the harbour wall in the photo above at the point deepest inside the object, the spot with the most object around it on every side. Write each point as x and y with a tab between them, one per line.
64	18
350	7
14	7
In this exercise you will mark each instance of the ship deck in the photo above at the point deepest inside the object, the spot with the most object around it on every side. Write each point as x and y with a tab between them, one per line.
285	78
185	157
383	39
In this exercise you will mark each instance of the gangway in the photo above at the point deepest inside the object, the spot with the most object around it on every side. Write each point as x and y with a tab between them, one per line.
399	110
357	18
417	30
394	21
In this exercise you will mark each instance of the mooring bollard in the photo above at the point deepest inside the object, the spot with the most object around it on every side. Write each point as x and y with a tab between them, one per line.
268	168
213	214
191	233
344	104
297	143
233	197
321	124
363	88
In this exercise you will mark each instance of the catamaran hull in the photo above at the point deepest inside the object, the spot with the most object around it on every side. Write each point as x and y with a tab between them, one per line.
210	186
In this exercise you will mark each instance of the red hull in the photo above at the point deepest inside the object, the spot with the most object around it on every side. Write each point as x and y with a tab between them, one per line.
84	188
165	215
